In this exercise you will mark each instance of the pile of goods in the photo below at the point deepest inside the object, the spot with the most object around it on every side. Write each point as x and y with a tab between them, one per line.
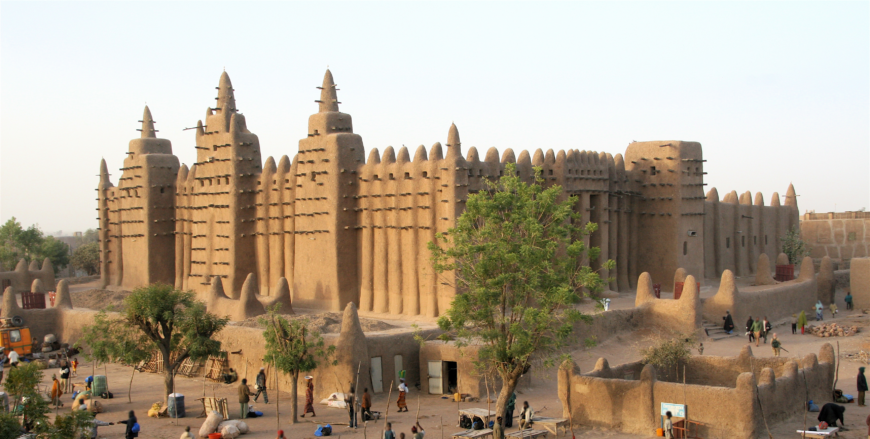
832	330
50	343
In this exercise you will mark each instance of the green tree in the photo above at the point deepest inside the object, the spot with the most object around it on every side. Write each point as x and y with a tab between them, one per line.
292	348
170	320
794	247
30	244
113	340
22	385
87	258
520	266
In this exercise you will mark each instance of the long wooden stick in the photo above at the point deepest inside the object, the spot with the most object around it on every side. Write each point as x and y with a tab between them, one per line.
488	399
387	413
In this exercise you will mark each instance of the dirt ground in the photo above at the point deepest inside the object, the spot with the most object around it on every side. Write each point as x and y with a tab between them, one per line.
438	414
325	323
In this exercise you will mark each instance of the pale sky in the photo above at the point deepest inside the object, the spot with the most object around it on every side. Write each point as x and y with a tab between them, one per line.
776	92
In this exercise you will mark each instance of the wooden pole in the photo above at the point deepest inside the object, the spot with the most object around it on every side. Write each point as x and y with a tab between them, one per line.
277	398
387	412
442	426
417	417
837	373
488	399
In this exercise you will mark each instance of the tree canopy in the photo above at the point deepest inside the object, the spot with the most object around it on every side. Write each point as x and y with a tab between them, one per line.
87	258
292	348
158	317
30	244
520	265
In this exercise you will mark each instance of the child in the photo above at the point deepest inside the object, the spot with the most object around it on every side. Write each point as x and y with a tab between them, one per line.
75	367
833	309
776	345
669	426
848	300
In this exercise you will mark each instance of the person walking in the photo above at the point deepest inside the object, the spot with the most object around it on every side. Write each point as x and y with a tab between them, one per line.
96	423
350	400
13	358
862	386
244	398
729	322
776	345
848	300
820	310
794	324
767	328
669	426
366	405
260	386
131	422
403	390
56	391
309	397
511	405
757	329
749	329
802	321
64	376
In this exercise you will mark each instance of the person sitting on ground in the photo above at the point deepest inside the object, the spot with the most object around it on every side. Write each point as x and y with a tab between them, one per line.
526	416
230	377
729	322
418	431
186	434
831	413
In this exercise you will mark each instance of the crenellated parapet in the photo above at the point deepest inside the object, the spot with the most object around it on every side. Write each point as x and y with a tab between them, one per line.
23	276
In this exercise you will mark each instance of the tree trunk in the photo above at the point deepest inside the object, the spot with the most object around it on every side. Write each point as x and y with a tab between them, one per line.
130	389
168	378
294	397
509	384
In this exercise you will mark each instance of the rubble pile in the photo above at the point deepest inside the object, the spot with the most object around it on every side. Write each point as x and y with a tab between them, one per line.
832	330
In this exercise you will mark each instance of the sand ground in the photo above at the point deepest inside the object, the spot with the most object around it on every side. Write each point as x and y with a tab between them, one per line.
438	415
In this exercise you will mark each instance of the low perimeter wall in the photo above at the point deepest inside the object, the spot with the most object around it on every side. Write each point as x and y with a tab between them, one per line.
605	398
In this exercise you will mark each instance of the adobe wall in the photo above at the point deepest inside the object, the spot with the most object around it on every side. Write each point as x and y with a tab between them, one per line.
602	398
682	315
22	277
859	282
774	301
738	229
840	236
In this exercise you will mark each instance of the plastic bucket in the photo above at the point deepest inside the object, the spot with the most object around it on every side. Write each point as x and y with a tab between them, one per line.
215	436
173	403
100	385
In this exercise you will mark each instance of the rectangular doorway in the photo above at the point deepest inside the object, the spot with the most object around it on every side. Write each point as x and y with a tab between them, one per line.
436	384
452	373
377	375
397	367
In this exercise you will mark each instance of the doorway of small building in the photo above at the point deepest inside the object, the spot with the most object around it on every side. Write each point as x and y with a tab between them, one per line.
377	375
451	377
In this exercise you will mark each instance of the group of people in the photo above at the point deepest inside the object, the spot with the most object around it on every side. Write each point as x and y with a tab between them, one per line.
757	330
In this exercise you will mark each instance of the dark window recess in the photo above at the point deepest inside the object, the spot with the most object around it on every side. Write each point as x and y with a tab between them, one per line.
743	241
727	242
685	248
754	240
407	175
425	174
765	239
551	172
652	170
391	177
161	190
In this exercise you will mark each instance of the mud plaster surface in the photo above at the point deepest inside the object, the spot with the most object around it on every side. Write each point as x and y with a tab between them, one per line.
325	322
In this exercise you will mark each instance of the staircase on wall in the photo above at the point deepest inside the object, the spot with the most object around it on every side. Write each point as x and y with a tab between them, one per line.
716	332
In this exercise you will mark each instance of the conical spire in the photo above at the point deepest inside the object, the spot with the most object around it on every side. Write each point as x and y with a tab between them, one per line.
226	98
453	137
790	196
104	174
148	125
328	97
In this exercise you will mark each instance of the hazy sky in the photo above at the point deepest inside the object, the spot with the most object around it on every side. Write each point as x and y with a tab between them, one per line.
776	92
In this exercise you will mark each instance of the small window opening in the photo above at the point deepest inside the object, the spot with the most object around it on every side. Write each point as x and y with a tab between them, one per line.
471	172
551	172
754	240
274	181
500	173
727	242
161	190
652	170
210	183
743	241
425	174
258	183
286	180
391	177
479	172
697	169
375	177
407	175
765	239
685	248
202	183
228	180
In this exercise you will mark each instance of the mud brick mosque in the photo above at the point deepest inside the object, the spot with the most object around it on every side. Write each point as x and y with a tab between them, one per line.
341	227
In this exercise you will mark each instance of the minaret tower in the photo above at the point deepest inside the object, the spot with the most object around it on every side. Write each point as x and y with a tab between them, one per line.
145	207
326	256
221	213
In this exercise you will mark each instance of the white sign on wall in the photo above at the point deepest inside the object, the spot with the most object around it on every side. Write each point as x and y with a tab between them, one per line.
677	410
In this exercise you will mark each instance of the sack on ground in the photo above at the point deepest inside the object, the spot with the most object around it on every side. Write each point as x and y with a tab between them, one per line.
210	424
229	432
238	423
